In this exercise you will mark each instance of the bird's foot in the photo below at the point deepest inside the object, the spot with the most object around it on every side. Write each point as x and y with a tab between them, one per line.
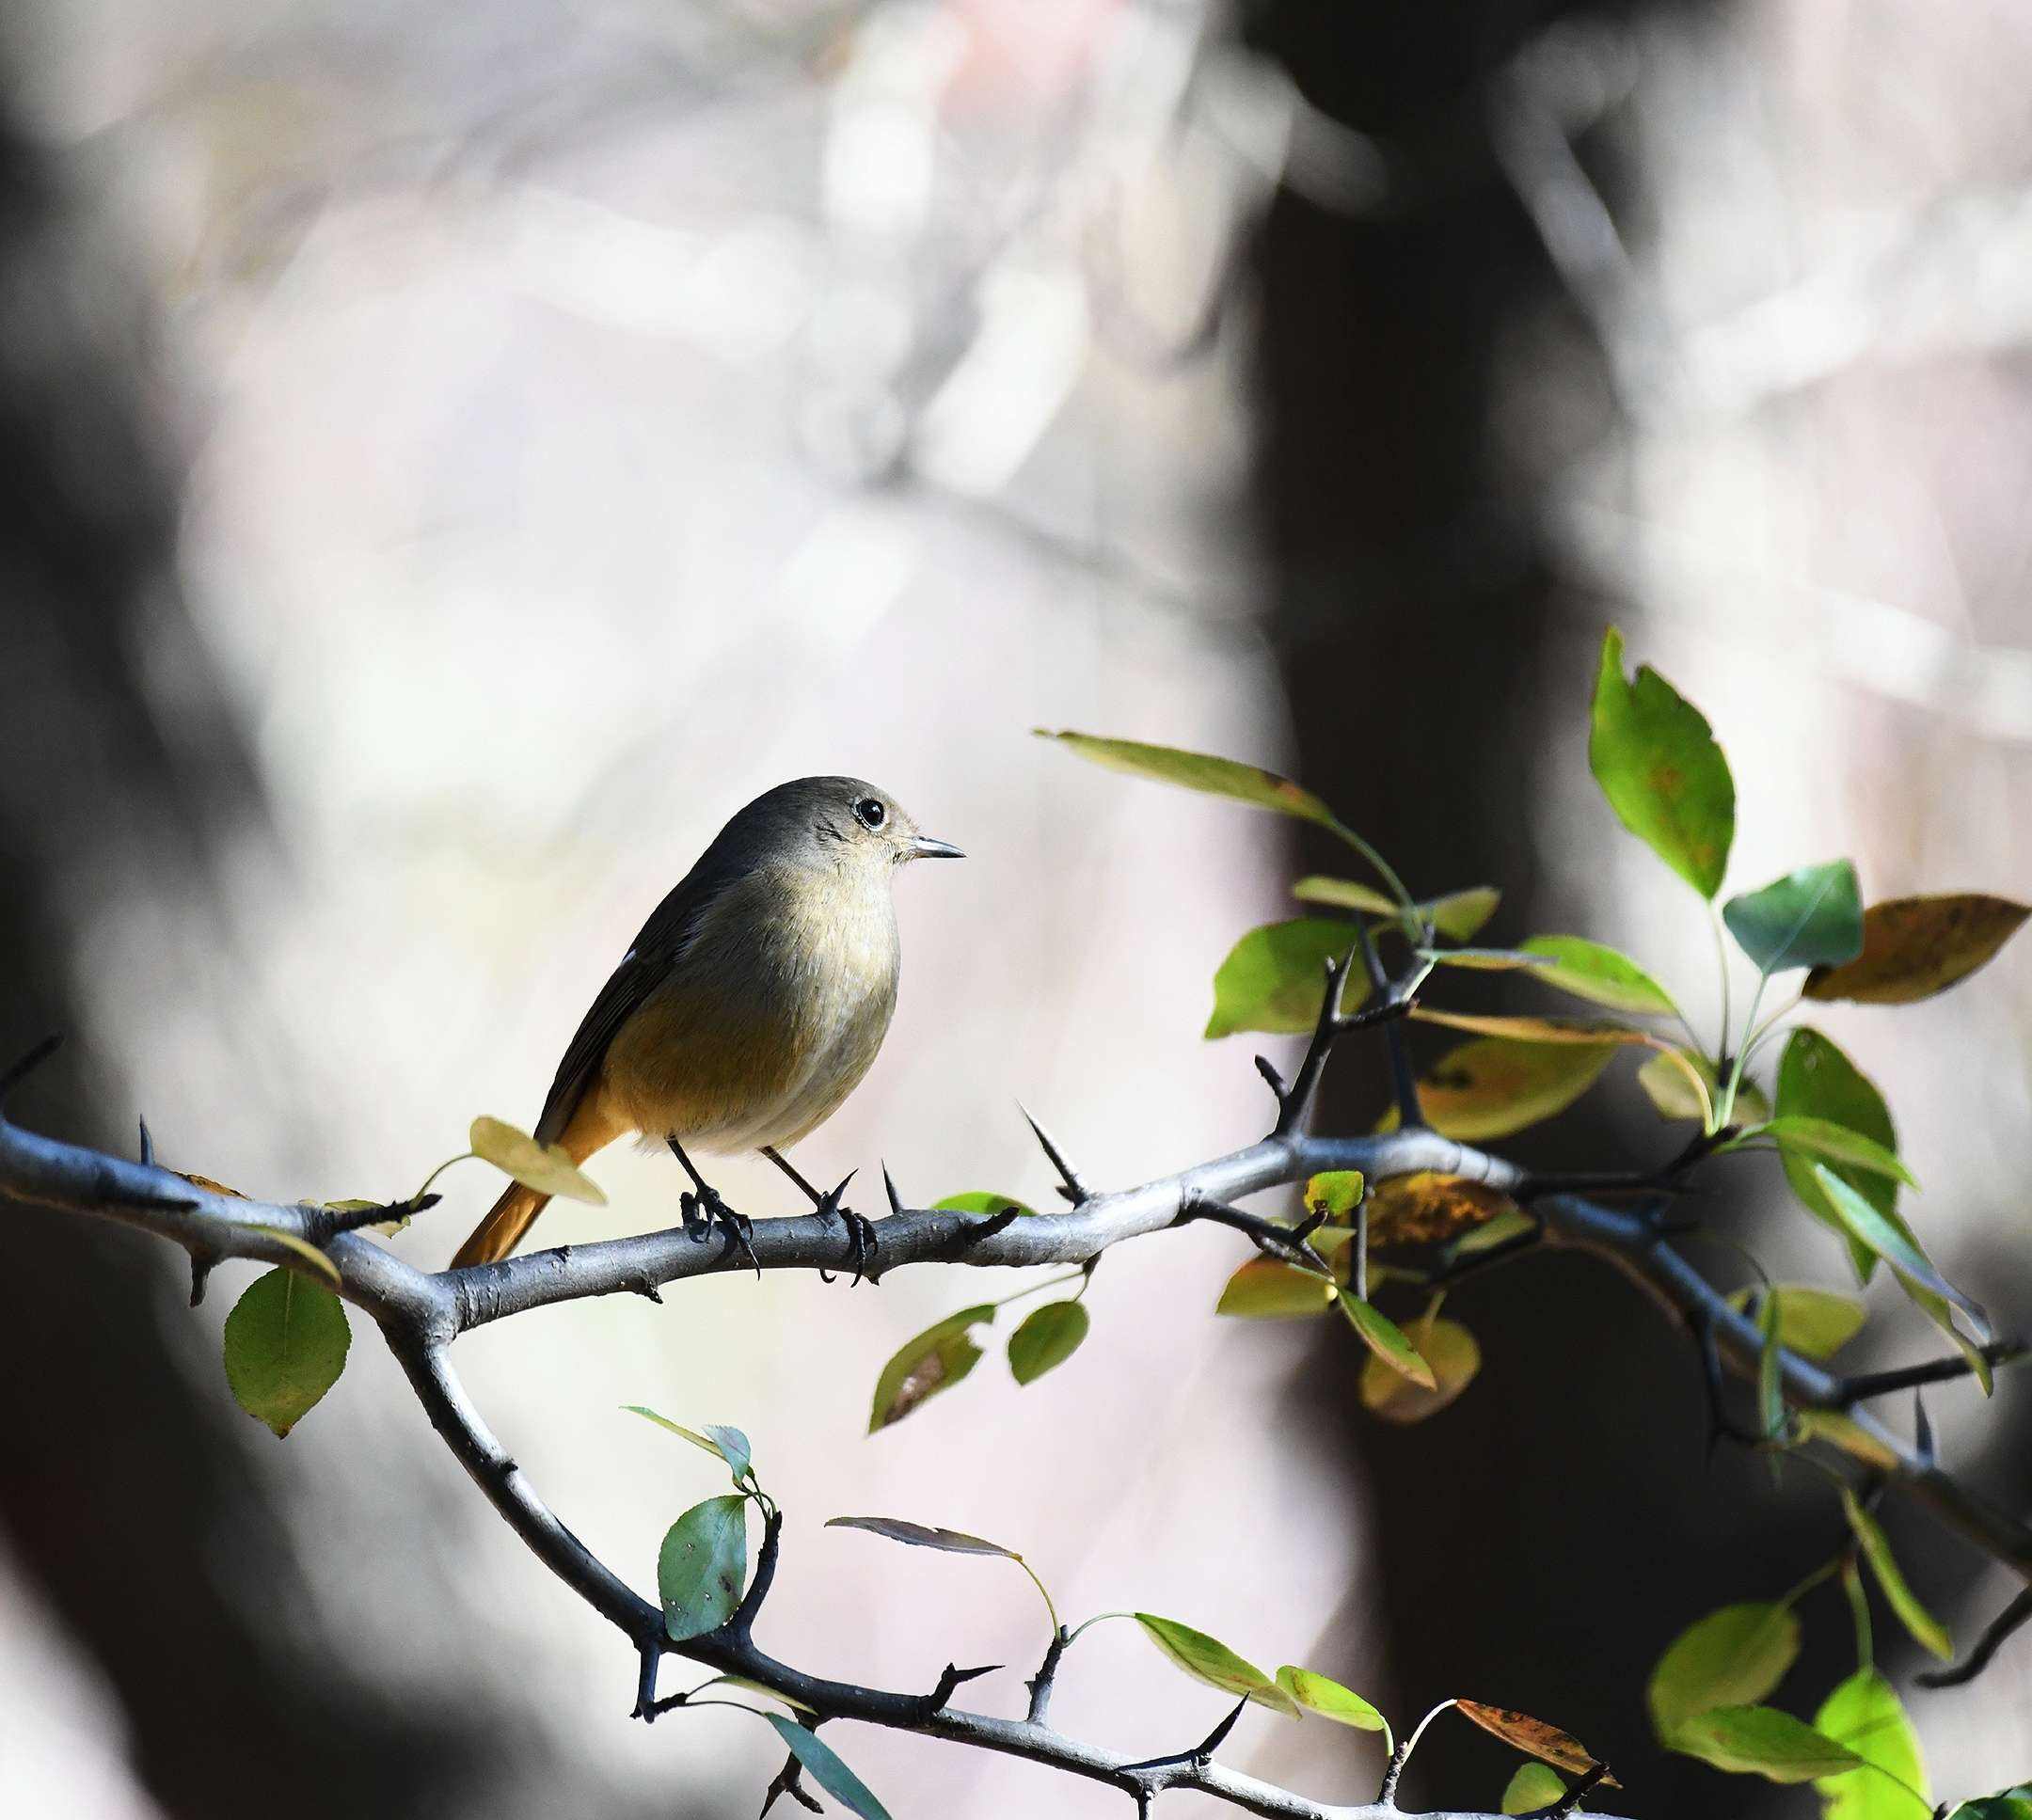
861	1241
705	1213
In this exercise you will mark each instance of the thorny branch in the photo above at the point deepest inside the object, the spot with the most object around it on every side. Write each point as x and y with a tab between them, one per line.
423	1313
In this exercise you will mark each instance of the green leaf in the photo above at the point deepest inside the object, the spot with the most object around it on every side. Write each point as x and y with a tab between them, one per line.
1657	761
933	1361
1459	916
1809	918
1927	1630
920	1535
1387	1340
1208	1659
1815	1323
703	1565
2011	1804
1864	1713
1761	1741
1817	1081
1318	1693
826	1770
1535	1786
1336	1193
1202	771
1665	1079
1734	1656
728	1444
1892	1240
1451	1353
1771	1382
1590	970
1914	947
1846	1433
977	1201
286	1343
1275	978
1823	1137
545	1168
1048	1336
1491	1085
1266	1288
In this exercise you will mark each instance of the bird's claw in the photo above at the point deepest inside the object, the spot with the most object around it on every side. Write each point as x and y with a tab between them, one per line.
862	1239
705	1213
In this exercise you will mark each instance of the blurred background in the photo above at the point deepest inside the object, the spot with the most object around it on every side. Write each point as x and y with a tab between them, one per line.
456	457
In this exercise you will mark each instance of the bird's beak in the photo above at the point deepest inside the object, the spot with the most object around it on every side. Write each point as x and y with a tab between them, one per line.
923	846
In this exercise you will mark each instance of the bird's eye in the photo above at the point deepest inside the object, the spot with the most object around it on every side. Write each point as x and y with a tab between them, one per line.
870	811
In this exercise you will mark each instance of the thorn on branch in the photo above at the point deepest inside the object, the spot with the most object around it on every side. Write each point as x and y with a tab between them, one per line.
888	1182
1923	1432
642	1286
148	1146
1070	1185
2012	1618
202	1263
1853	1390
790	1780
1199	1754
1283	1242
975	1230
27	1066
1274	1079
1570	1802
949	1682
1403	1078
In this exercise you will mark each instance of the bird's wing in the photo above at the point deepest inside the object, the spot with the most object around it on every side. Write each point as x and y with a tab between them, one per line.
647	963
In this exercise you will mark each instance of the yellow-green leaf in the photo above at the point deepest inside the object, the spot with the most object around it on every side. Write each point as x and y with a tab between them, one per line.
980	1201
1927	1630
1815	1323
1732	1657
1491	1087
1459	916
1762	1741
1334	1193
1534	1786
1275	978
1589	969
1914	947
1268	1289
1387	1340
1208	1659
1202	771
1451	1353
1320	1694
1864	1713
1817	1081
1680	1084
545	1168
1656	759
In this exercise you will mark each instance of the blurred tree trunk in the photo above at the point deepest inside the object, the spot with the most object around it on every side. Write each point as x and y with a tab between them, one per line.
1541	1541
128	1499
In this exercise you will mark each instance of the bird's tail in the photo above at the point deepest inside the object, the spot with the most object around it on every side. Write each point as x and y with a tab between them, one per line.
501	1231
592	1127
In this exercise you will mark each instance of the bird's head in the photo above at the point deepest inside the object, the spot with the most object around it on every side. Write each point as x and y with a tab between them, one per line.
844	822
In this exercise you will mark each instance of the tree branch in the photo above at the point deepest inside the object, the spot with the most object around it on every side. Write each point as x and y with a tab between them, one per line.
421	1314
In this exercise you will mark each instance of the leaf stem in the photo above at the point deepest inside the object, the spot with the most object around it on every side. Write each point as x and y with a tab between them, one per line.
464	1156
1075	1634
1039	1289
1050	1609
1721	950
1726	1110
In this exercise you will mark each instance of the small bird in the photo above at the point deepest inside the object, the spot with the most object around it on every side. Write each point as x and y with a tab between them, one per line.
749	1007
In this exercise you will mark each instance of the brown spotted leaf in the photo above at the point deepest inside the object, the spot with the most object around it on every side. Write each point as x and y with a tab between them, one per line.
1428	1207
1536	1738
1914	947
210	1186
935	1360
